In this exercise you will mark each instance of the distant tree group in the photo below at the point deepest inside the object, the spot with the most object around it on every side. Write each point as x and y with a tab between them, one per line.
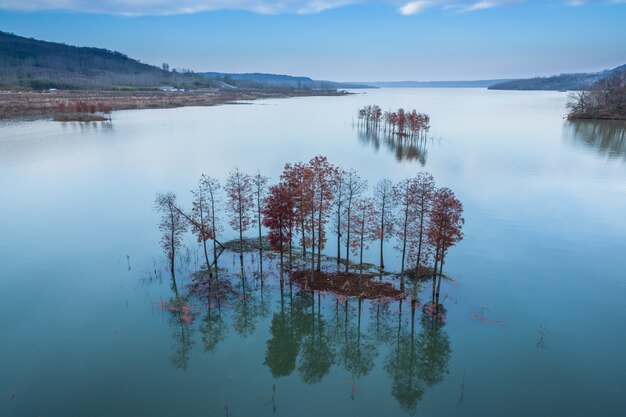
606	99
84	107
400	122
425	221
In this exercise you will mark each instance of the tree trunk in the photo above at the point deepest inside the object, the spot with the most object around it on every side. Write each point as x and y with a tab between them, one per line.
214	235
338	236
319	234
435	275
419	245
382	235
312	244
404	237
439	281
348	236
258	205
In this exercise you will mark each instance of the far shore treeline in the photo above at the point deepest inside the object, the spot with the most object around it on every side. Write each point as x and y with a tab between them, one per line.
310	200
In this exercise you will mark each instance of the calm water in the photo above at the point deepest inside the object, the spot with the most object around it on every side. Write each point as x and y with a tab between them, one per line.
82	273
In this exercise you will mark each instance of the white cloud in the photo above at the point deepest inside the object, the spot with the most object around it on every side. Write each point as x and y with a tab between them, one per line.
481	5
414	7
165	7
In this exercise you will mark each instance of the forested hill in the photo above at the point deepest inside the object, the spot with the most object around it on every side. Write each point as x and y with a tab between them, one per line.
31	64
578	81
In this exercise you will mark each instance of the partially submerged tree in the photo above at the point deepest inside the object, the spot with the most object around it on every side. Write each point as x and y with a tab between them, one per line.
338	209
201	214
404	198
424	190
354	188
172	225
364	218
239	190
278	217
298	178
445	231
324	176
384	205
260	188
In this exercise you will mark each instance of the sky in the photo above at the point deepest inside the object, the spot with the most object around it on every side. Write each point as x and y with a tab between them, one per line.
341	40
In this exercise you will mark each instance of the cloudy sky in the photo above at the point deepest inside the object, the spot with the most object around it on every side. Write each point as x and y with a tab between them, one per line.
351	40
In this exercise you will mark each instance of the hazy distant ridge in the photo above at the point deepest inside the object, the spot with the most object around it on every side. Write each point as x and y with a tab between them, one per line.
283	80
579	81
437	84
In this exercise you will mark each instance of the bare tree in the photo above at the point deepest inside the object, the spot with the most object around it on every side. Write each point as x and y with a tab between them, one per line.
260	190
384	205
240	191
339	187
354	188
172	225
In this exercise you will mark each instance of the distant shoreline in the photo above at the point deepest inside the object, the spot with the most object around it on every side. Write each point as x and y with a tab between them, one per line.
46	104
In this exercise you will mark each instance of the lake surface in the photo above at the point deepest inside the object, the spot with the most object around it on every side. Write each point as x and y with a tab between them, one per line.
536	312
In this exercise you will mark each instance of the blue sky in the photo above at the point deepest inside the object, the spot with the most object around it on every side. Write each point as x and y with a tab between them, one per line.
344	40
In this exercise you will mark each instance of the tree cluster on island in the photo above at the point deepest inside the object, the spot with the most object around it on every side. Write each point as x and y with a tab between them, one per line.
409	124
315	198
82	111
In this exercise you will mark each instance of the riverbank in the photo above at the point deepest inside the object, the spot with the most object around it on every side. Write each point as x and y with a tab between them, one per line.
33	104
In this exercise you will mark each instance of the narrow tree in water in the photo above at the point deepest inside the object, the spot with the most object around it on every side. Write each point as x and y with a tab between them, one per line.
424	191
260	185
324	176
211	187
173	225
278	217
297	177
354	188
445	231
200	214
384	205
240	204
338	208
364	220
404	197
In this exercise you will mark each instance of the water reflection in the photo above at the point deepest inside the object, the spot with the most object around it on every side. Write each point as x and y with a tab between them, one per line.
311	333
404	148
608	137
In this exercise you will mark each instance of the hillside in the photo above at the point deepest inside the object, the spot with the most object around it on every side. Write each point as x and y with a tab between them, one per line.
30	64
578	81
256	79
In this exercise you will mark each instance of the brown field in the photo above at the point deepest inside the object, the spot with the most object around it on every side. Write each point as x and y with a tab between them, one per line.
22	103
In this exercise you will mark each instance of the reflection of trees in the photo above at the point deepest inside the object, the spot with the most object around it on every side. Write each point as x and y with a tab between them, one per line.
184	343
317	352
416	363
282	347
608	137
357	351
252	304
213	328
404	148
380	327
183	338
299	328
434	351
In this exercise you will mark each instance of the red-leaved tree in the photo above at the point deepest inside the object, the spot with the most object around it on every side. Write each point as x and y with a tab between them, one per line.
278	217
445	231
